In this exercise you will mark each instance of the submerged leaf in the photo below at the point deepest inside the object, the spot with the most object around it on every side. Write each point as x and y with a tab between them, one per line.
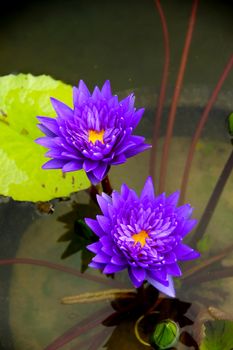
218	335
78	234
23	97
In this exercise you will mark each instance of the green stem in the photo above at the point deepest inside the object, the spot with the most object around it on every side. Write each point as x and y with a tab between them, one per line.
213	201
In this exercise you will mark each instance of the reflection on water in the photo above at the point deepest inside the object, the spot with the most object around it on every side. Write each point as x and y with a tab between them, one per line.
121	41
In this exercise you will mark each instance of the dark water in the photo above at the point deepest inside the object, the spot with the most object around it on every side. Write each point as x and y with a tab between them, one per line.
120	41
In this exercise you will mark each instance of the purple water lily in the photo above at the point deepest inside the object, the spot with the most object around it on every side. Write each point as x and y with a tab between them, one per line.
143	234
94	135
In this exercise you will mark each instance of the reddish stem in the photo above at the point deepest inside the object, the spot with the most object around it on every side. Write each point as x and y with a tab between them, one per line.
207	263
82	327
200	127
106	185
225	272
213	201
93	191
179	81
62	268
99	338
162	94
95	341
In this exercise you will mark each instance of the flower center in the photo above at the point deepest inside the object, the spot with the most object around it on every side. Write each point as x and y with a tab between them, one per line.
94	136
140	237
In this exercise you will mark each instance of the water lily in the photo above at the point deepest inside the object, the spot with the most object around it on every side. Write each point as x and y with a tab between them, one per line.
93	135
142	234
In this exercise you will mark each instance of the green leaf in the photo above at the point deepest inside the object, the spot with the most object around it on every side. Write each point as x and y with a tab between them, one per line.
218	335
230	124
22	98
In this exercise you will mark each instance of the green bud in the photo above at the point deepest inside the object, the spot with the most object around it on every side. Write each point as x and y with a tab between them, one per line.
165	335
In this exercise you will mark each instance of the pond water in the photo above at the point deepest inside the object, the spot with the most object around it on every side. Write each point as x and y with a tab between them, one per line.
120	41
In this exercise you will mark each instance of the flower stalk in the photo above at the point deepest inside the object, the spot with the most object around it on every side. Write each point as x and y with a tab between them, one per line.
110	294
106	186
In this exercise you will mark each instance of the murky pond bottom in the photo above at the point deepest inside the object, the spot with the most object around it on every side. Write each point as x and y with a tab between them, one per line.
32	313
36	315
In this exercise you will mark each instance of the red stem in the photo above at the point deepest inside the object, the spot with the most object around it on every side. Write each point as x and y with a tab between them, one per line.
93	191
95	341
106	185
81	328
61	268
225	272
179	81
99	338
162	94
200	127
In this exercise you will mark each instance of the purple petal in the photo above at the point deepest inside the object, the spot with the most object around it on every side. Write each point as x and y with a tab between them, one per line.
46	142
134	280
95	227
138	273
119	260
137	117
116	198
49	123
96	94
92	178
159	275
72	166
136	149
104	222
187	227
128	102
54	164
174	270
61	109
95	247
82	86
106	90
101	171
102	258
45	130
184	211
173	198
96	265
107	197
183	252
170	258
103	204
79	97
54	153
89	165
110	268
148	190
125	191
119	159
168	290
108	249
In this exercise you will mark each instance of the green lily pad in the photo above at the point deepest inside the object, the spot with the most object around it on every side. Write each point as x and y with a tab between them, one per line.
22	98
218	335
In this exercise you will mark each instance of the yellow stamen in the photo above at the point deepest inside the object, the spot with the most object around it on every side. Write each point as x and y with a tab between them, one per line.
140	237
94	136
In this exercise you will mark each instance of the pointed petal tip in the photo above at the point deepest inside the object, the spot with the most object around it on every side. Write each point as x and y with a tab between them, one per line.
167	290
148	189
